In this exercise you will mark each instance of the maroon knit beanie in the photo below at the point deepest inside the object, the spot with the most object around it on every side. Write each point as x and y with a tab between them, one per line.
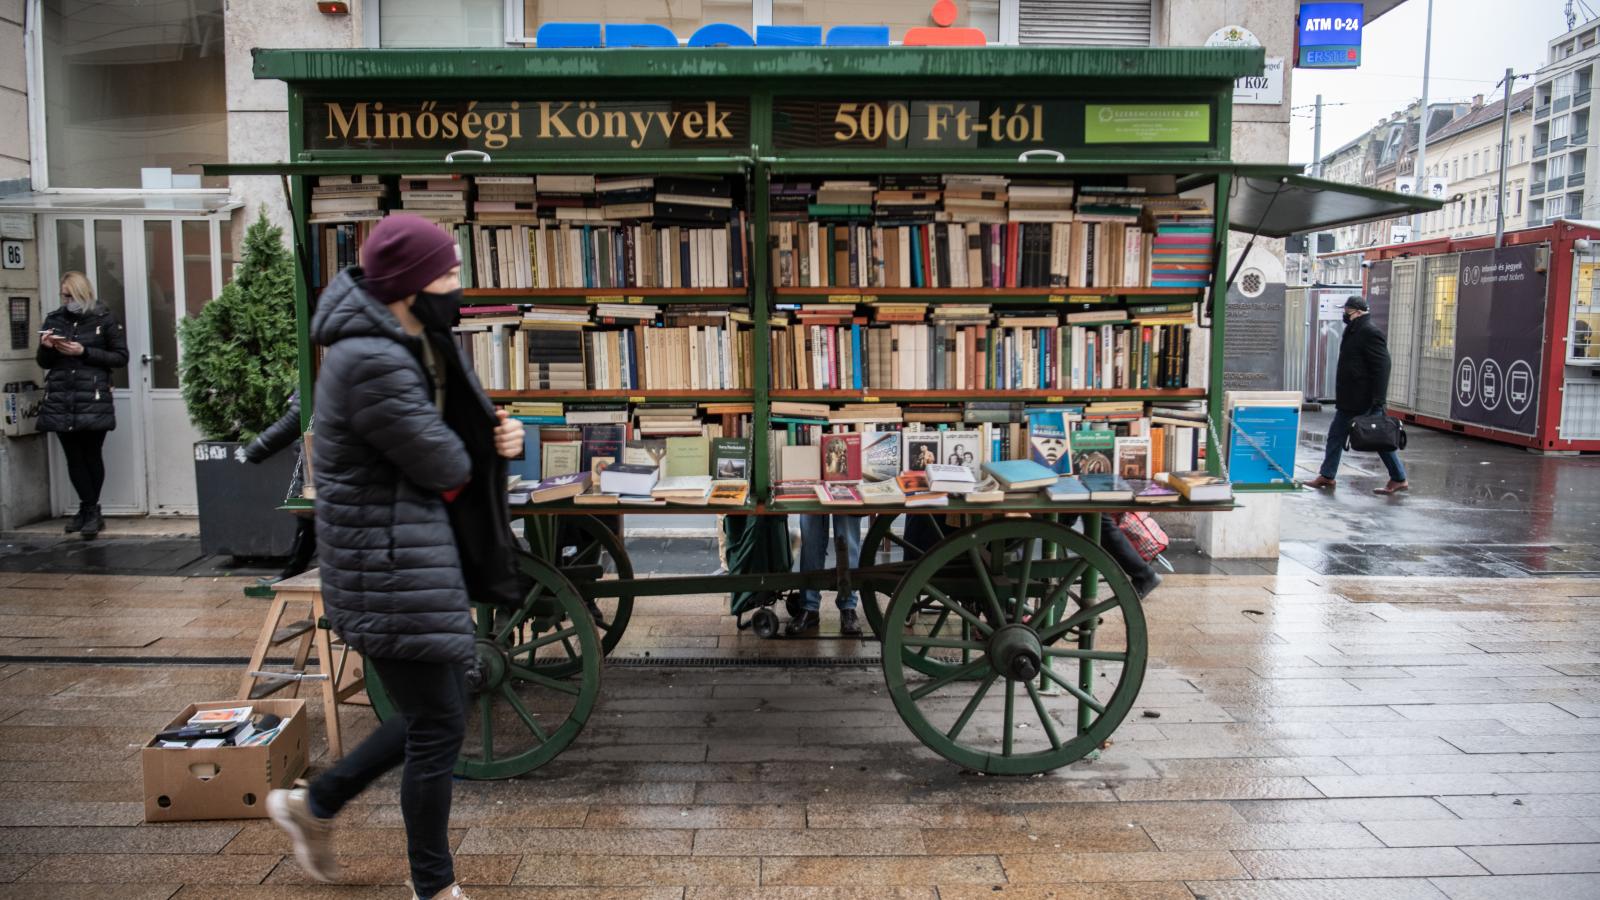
403	255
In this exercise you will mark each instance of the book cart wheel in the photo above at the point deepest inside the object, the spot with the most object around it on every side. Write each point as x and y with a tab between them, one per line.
594	547
1057	668
875	604
520	715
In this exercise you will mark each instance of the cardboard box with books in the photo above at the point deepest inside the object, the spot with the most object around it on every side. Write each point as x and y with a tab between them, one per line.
189	778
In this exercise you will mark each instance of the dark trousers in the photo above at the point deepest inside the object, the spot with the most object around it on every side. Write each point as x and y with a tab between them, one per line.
426	736
304	548
1339	432
85	466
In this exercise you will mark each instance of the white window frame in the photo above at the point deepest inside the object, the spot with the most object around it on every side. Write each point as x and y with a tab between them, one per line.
38	147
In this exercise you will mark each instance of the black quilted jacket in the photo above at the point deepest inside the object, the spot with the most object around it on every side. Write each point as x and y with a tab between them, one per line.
77	389
382	458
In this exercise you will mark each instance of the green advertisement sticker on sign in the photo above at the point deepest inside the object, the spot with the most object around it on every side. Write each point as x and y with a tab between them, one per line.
1147	123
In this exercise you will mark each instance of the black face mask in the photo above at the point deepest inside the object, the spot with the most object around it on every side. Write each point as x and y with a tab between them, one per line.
438	312
1348	316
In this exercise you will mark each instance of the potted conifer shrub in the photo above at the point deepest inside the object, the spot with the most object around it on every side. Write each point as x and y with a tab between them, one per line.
239	368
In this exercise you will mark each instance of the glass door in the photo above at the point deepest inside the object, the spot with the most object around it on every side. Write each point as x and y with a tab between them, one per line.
177	266
100	248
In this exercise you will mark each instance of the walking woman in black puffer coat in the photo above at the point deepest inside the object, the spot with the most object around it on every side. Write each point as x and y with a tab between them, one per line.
82	342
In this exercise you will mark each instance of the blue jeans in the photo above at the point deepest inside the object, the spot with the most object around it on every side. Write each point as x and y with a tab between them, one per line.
814	553
1338	433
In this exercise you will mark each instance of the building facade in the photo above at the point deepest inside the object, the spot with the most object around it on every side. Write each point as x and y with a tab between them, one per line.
119	104
1563	171
1467	156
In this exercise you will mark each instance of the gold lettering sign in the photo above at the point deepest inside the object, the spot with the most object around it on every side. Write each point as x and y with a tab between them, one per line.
526	124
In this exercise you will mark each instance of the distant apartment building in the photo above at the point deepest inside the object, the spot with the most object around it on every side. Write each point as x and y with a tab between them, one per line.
1562	175
1466	154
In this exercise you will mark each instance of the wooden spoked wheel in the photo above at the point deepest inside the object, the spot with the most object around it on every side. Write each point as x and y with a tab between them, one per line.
1027	594
521	714
585	549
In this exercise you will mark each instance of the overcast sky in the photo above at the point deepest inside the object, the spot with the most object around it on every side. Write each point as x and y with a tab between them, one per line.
1473	43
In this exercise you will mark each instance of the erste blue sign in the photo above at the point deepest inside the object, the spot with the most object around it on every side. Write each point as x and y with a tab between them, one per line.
1329	36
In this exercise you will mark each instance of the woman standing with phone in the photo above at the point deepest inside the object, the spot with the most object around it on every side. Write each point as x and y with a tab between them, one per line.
81	343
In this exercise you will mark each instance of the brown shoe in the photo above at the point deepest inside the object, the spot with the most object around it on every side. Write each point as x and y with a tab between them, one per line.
1393	487
1322	483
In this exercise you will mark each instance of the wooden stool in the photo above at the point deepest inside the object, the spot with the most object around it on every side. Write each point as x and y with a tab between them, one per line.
337	666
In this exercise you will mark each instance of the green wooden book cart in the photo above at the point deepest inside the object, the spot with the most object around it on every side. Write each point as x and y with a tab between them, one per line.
1015	645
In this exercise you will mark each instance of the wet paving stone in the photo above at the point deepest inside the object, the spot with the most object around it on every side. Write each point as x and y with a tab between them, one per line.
1367	737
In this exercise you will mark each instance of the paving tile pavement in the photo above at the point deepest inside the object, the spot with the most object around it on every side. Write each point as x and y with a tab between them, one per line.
1351	738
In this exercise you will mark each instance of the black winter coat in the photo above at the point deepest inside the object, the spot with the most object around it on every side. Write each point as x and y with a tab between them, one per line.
391	563
1362	380
278	435
77	389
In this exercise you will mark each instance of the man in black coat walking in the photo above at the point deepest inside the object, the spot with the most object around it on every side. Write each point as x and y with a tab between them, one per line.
411	521
1361	387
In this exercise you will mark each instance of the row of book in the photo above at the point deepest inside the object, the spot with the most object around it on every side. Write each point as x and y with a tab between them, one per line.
650	455
658	348
1096	255
525	198
608	255
829	348
1128	441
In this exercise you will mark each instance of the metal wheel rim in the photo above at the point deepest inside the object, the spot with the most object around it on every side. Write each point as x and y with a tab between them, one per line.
1073	745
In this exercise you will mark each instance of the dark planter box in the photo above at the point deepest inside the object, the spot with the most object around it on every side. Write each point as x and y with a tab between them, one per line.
239	514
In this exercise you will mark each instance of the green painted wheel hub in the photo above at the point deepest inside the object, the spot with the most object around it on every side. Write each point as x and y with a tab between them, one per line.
1015	653
493	664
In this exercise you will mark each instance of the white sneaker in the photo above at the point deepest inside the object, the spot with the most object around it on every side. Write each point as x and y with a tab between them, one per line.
453	892
312	838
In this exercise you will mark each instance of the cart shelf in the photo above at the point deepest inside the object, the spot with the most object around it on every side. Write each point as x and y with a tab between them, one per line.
720	296
947	395
994	296
624	396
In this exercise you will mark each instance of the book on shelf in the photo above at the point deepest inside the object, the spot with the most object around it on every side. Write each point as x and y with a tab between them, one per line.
1199	487
1107	487
626	479
729	492
800	463
838	493
730	459
687	456
1132	458
987	490
682	488
1047	441
1093	451
951	479
1153	492
841	457
559	487
791	490
881	493
998	233
927	499
1067	489
880	455
1020	474
913	483
837	348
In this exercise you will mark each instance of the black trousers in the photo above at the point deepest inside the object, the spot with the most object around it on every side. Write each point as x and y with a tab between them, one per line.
426	736
86	468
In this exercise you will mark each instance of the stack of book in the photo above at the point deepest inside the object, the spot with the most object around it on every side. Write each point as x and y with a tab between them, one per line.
704	350
1181	251
567	198
505	199
347	198
442	198
626	197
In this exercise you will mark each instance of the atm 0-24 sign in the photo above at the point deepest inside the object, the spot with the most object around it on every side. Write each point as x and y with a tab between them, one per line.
1329	36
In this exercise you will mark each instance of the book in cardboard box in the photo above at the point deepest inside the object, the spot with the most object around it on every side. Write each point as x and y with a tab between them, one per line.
191	783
